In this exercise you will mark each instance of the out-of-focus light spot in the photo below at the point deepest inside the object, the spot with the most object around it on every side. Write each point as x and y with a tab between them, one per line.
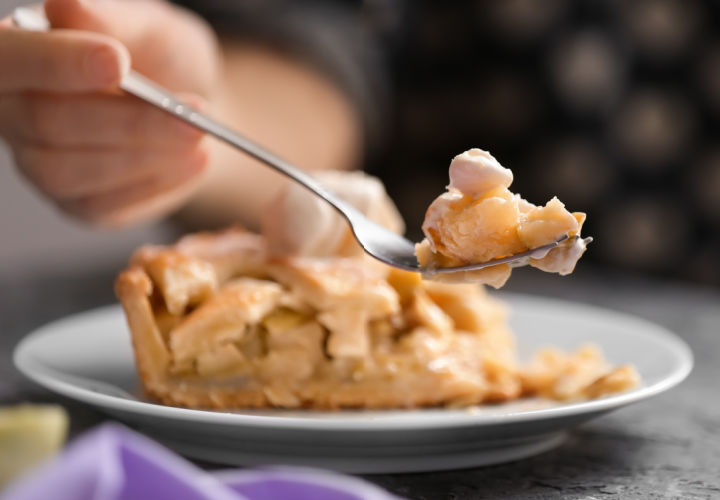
520	21
647	233
575	170
587	70
660	29
708	74
653	128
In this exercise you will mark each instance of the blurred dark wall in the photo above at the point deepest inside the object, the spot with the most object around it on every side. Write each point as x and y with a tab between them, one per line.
613	106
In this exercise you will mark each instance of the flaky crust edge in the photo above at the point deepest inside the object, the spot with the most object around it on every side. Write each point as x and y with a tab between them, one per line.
133	288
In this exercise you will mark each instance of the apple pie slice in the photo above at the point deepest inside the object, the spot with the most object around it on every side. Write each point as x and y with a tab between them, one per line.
217	322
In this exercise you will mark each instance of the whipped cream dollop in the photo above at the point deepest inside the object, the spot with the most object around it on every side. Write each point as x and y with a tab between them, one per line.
475	172
301	224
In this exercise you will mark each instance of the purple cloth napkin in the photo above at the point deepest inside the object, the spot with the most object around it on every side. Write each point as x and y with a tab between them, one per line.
114	463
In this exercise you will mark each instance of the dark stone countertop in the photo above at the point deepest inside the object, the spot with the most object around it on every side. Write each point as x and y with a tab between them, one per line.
667	447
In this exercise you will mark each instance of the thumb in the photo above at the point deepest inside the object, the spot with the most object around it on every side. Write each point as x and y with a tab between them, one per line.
163	40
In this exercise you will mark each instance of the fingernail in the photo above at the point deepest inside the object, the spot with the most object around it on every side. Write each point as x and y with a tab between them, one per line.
194	101
106	66
101	65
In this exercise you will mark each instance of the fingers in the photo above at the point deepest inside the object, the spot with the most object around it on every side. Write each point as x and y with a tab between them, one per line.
152	197
164	40
101	156
79	120
60	61
69	175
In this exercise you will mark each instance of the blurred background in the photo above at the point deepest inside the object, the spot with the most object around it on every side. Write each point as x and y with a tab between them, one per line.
611	105
614	106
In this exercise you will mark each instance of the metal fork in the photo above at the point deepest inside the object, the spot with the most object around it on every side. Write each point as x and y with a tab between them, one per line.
377	241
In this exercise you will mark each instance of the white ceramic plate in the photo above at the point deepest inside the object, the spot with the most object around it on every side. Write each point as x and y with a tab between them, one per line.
88	357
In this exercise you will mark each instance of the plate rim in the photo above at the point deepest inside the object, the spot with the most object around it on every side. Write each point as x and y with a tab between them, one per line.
43	375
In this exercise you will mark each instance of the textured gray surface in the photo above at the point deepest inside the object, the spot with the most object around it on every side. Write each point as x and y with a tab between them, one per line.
668	447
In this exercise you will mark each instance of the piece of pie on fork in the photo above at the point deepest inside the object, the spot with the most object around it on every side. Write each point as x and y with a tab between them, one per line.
216	322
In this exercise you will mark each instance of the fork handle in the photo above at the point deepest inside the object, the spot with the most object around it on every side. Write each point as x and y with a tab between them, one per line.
149	91
153	93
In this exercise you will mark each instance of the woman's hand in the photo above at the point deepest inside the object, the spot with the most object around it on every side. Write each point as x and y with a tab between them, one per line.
100	155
